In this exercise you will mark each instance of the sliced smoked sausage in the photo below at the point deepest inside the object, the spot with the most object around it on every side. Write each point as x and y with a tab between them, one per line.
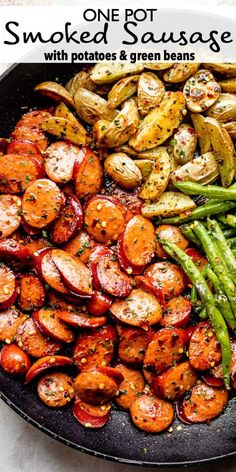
29	128
59	161
204	349
95	348
166	348
17	173
31	340
175	382
104	220
8	291
10	320
32	292
169	276
151	414
138	241
87	174
95	387
10	214
132	386
14	360
205	403
55	389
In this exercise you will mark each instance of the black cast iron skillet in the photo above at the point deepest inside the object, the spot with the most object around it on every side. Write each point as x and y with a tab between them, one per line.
119	440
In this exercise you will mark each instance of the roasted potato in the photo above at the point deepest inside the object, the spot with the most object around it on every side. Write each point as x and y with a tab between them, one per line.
224	109
169	204
65	129
160	123
123	170
157	181
108	72
91	107
202	170
62	111
223	149
180	71
122	90
56	92
228	85
157	65
82	79
201	91
123	126
225	68
145	166
231	128
150	92
183	144
99	129
126	149
202	132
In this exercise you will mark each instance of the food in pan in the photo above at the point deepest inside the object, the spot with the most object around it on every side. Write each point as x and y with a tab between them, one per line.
118	244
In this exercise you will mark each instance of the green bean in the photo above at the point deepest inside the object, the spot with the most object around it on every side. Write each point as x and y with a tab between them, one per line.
215	258
201	212
189	234
229	220
223	246
193	294
231	241
207	297
212	191
229	233
203	314
221	299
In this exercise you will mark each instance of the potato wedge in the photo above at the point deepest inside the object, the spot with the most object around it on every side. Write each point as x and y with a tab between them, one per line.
150	92
225	68
106	73
82	79
224	109
201	91
123	126
56	92
123	170
223	149
91	107
183	144
169	204
160	123
62	111
231	128
228	85
145	166
65	129
157	65
122	90
202	170
126	149
180	72
99	129
202	132
158	179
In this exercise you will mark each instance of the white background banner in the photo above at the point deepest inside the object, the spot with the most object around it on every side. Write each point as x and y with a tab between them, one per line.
101	32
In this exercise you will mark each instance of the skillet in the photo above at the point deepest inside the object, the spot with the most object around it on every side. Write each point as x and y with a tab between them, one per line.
119	440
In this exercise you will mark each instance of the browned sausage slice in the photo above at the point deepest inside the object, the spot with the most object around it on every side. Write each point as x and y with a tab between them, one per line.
166	348
95	348
26	148
55	389
104	220
205	403
87	174
48	271
42	203
45	363
29	128
34	245
10	320
204	348
169	276
91	416
14	360
175	382
110	277
34	342
99	303
51	325
13	252
59	161
32	292
69	222
131	387
138	241
81	320
133	344
151	414
81	246
138	309
95	387
177	312
17	173
171	233
76	276
8	291
10	214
